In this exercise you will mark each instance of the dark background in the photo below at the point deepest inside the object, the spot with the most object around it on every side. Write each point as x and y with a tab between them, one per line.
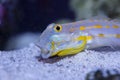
39	13
31	16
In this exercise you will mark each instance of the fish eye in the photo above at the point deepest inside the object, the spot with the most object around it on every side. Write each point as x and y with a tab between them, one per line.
58	28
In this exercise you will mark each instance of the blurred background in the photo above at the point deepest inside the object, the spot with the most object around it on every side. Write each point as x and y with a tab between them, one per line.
22	21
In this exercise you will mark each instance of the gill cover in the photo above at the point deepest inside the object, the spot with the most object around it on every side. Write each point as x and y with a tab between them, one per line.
71	50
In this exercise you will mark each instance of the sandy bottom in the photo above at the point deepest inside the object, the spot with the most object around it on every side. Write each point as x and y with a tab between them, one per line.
25	65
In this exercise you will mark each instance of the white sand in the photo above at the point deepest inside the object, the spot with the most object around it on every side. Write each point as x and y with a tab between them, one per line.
23	65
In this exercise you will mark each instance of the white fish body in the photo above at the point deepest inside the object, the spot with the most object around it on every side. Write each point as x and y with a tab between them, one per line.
71	38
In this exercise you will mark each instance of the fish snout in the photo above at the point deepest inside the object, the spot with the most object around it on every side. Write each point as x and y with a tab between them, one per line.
45	53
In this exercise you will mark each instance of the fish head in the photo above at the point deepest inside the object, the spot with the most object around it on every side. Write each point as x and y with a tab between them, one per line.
60	40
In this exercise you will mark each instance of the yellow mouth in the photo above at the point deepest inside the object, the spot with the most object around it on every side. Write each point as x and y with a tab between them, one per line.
73	50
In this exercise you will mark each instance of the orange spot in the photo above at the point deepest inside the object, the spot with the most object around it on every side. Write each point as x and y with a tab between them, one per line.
117	35
82	28
97	26
107	26
115	26
101	35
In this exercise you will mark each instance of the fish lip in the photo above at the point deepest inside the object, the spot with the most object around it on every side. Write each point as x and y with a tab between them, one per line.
45	56
44	53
